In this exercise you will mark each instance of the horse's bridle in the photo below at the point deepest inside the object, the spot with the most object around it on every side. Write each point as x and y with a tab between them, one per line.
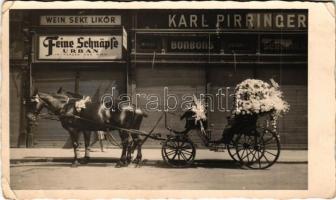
37	99
34	110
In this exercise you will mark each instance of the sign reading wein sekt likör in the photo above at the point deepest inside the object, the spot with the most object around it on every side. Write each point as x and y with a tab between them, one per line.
88	20
80	47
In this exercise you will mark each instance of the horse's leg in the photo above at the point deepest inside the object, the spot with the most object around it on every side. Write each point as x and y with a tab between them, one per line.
138	146
95	139
87	135
124	142
137	140
131	142
100	137
74	138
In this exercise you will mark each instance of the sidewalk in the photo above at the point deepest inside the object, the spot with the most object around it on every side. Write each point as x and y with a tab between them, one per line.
54	154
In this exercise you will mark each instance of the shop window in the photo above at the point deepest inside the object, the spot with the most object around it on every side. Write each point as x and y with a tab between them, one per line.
240	43
286	44
148	43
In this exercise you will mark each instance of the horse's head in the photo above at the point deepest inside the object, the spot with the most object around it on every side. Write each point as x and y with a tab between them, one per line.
54	102
34	104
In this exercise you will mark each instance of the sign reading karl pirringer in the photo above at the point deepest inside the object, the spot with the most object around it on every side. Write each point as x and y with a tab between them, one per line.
88	47
89	20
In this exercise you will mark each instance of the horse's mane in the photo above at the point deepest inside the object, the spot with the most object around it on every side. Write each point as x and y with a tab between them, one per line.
74	95
52	96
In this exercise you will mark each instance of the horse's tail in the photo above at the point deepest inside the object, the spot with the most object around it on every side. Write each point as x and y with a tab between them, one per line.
144	114
141	112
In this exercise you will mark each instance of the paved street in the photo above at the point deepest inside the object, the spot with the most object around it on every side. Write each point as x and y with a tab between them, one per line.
35	169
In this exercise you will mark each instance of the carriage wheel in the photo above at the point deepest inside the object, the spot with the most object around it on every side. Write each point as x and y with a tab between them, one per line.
178	151
231	148
258	151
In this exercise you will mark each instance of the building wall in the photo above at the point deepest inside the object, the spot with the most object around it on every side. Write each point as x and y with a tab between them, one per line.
15	95
183	72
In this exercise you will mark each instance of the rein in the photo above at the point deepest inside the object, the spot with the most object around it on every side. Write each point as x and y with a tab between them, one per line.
60	114
148	135
49	116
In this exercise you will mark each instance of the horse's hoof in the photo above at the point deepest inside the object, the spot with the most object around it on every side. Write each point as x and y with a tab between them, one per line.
85	160
119	165
129	160
74	164
137	162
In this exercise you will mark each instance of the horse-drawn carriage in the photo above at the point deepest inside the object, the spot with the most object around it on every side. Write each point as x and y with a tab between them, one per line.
250	136
247	142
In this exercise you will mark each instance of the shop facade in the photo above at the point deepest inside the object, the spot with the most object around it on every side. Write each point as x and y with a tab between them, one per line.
185	51
80	51
202	52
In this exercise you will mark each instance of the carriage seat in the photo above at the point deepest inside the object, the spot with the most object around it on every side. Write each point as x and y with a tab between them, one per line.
191	122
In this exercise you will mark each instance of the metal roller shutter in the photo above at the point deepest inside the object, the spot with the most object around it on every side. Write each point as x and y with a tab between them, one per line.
98	82
292	79
221	77
50	133
102	81
180	80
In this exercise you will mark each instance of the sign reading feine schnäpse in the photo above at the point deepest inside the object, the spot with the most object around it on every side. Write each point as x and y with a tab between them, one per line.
82	47
87	20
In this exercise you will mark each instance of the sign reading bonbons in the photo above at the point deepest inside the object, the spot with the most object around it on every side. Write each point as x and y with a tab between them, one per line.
192	44
84	47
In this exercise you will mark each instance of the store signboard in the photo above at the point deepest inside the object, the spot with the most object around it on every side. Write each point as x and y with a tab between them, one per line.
76	20
124	38
225	20
283	45
192	44
79	47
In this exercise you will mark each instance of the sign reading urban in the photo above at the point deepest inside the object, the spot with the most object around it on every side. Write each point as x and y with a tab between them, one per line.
88	20
84	47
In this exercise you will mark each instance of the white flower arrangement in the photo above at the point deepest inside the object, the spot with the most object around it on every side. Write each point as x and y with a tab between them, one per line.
81	104
254	96
198	109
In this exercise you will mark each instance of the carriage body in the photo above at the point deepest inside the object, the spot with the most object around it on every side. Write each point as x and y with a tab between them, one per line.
251	140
